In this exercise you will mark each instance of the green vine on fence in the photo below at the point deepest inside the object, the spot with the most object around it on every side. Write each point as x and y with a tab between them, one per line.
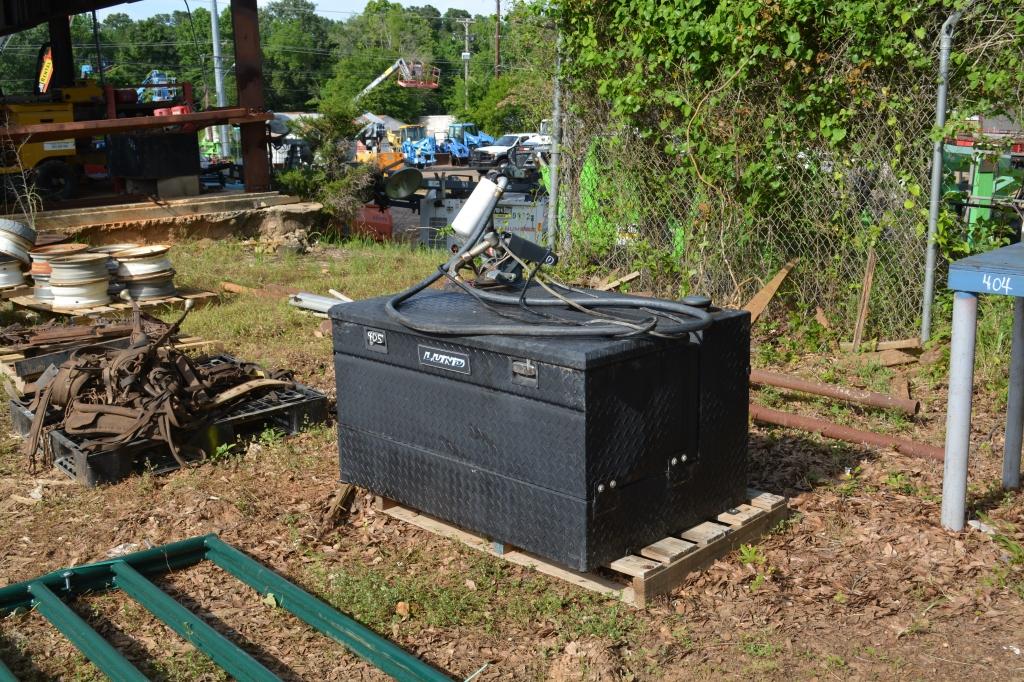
709	142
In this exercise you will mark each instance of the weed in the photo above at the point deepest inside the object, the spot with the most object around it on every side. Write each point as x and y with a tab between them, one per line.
223	452
770	397
840	598
786	524
759	647
758	582
877	377
1012	547
271	437
898	481
852	484
834	662
752	555
683	638
188	666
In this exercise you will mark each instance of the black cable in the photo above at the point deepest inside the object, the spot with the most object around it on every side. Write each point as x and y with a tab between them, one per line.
698	318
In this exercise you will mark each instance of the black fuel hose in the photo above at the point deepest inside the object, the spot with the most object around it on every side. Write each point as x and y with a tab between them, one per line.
700	318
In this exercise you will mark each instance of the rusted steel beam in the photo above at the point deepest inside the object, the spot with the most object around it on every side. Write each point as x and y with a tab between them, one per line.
249	77
41	132
853	395
766	415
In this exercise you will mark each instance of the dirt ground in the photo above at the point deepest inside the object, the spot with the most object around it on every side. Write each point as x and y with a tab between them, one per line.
859	583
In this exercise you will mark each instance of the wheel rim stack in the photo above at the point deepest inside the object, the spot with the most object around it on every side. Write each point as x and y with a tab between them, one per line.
80	280
16	240
116	286
146	271
41	268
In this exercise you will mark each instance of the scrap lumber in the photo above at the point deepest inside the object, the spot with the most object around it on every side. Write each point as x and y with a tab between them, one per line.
819	316
845	393
912	343
865	296
267	291
616	283
889	358
762	298
765	415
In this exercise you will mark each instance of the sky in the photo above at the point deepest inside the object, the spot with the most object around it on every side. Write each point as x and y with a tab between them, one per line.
334	9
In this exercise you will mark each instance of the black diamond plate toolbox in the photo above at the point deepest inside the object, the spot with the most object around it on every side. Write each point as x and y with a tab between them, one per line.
579	450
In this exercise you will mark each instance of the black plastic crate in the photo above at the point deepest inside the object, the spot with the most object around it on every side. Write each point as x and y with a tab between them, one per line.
287	409
21	418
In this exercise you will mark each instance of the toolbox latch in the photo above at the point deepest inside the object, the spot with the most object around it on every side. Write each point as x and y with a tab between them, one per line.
524	372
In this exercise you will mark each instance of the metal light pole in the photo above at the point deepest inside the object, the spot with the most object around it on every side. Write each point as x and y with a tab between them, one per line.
931	256
465	63
223	134
556	141
497	38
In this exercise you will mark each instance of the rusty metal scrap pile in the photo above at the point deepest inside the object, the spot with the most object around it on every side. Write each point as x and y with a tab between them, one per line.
146	391
18	337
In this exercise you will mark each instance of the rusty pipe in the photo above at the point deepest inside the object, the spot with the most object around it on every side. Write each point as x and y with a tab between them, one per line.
853	395
829	429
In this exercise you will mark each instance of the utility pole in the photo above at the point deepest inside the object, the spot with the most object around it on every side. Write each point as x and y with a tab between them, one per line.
218	79
465	63
497	37
556	141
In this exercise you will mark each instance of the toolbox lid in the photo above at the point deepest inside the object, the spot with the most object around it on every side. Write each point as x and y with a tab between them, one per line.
460	308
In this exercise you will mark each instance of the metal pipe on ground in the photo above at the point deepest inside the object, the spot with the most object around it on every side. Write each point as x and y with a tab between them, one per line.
845	393
829	429
308	301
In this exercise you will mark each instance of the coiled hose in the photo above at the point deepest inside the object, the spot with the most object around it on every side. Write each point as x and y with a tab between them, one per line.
699	318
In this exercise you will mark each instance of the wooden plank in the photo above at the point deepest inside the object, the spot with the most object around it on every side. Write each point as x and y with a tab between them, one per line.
888	358
865	297
766	501
900	344
667	549
740	515
671	575
705	533
587	581
381	503
635	566
199	298
761	299
616	283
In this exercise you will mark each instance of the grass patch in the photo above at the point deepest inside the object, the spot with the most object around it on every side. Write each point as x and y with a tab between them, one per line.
268	331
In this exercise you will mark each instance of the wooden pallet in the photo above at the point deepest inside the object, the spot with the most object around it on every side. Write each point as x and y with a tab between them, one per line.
17	290
198	297
22	371
656	571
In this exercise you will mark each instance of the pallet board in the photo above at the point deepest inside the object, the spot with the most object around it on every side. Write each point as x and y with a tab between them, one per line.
660	567
17	290
198	297
22	371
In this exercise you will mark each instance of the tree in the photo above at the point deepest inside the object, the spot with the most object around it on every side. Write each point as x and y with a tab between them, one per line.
371	42
297	53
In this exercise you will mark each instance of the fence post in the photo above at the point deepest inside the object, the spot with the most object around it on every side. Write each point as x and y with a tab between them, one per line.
556	141
931	256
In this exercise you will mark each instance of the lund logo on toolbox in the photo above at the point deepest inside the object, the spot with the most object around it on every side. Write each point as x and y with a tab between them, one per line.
444	359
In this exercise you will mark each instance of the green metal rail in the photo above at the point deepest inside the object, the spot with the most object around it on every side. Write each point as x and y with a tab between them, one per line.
131	574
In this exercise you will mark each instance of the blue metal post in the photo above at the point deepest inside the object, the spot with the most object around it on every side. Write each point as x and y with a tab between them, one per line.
931	255
958	413
1015	402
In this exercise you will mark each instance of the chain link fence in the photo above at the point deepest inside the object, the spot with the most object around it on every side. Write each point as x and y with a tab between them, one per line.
627	204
